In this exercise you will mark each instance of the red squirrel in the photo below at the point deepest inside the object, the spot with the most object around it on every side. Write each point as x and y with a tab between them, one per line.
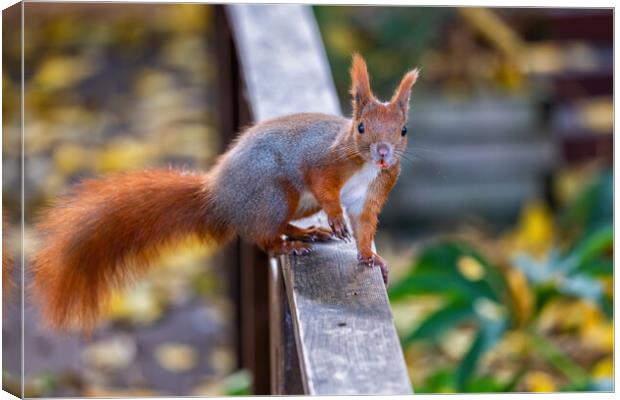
109	230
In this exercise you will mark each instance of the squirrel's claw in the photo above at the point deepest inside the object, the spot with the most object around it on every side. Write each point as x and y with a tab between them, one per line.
319	234
374	260
339	228
309	234
294	247
301	251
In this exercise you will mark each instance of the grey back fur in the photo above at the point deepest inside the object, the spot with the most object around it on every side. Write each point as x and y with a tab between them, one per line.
251	180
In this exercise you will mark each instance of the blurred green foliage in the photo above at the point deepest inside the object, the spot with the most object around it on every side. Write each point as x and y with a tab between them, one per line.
390	38
238	384
528	299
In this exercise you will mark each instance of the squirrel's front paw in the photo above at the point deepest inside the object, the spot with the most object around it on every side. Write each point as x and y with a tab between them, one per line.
339	227
374	260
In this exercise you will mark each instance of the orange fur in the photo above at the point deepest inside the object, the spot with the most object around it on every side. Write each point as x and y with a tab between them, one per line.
402	94
109	230
360	85
366	226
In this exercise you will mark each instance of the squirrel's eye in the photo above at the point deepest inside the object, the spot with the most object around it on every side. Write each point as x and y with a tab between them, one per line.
360	127
404	131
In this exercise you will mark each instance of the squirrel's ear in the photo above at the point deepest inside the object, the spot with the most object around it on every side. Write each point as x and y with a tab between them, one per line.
403	93
360	85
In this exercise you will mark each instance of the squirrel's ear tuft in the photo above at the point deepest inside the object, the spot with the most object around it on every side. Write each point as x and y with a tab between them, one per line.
360	85
403	93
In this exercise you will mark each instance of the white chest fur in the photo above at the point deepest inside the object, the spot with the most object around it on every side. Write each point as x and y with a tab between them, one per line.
306	202
353	193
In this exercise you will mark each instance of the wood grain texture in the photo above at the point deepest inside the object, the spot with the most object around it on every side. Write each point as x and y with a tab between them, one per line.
283	61
286	376
345	332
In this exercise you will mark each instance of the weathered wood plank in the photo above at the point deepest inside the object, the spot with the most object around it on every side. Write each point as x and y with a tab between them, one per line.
343	322
283	61
286	375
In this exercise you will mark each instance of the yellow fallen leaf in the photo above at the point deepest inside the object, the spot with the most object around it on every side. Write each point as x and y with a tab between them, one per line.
176	357
569	314
185	255
599	336
470	268
608	285
187	51
552	315
341	39
597	114
604	368
194	140
60	72
70	158
543	58
124	155
522	297
222	360
111	354
138	304
187	18
515	342
538	381
535	232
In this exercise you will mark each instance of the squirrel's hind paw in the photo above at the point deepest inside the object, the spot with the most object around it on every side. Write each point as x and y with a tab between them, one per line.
290	247
309	234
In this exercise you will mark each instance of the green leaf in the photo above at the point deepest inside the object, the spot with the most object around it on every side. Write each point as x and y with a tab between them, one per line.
559	360
598	267
490	332
544	294
436	272
238	383
484	384
603	209
594	243
450	286
440	321
440	381
592	207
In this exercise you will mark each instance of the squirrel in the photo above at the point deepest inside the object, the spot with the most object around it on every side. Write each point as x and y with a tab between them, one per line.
106	231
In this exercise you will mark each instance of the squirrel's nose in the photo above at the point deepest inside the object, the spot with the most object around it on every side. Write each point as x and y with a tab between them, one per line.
383	149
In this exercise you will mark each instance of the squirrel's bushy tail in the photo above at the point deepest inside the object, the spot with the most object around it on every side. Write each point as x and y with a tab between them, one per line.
106	231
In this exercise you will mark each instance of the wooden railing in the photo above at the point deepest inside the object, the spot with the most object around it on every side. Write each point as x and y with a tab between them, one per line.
321	323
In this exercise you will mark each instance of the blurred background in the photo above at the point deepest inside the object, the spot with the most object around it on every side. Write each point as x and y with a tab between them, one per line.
505	197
